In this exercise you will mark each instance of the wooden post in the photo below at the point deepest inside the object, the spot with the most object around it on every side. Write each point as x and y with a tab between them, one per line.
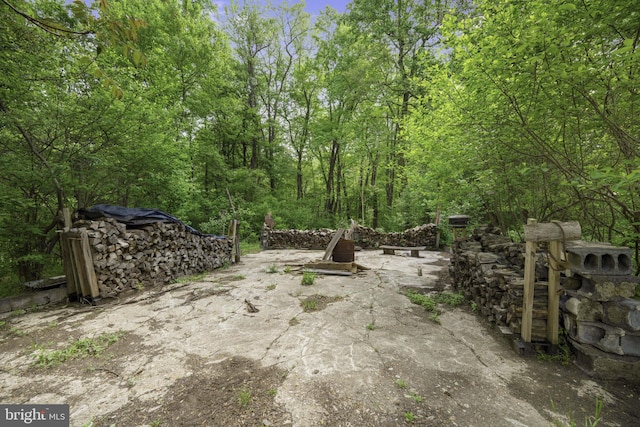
553	303
529	285
66	215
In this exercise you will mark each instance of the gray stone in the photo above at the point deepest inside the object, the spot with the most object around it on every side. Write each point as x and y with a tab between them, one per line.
624	313
584	309
605	337
604	365
630	344
608	288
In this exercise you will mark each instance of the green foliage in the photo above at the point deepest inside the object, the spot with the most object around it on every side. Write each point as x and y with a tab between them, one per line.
308	278
401	383
409	417
244	396
430	302
590	421
309	305
84	347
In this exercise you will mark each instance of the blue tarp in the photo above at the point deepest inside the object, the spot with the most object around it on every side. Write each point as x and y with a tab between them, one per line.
131	216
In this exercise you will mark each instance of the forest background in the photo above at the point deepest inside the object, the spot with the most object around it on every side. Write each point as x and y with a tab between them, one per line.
386	114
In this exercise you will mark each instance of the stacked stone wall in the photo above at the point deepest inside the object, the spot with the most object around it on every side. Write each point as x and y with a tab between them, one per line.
601	320
365	237
130	258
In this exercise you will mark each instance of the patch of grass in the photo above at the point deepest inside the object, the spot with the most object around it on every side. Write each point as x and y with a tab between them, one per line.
309	305
18	312
563	356
371	326
237	277
77	349
430	302
272	269
287	269
17	332
414	396
450	298
401	383
409	417
244	397
308	278
294	321
249	248
10	287
271	287
2	323
435	317
474	306
590	421
155	423
272	392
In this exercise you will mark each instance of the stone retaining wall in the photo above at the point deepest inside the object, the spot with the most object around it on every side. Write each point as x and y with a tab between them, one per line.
130	258
365	237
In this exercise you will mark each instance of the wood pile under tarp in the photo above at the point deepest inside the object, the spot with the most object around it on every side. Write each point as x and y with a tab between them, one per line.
132	258
364	237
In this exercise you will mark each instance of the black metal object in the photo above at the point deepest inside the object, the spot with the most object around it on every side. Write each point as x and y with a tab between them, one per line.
459	221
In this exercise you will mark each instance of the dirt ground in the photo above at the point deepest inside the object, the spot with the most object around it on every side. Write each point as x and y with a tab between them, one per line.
251	346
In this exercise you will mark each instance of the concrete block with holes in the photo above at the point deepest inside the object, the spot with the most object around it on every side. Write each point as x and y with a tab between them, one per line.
597	258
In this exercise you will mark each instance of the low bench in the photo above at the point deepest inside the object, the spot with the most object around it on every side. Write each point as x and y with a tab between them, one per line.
391	250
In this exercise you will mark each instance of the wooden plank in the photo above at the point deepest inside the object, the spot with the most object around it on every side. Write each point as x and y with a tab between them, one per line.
404	248
67	264
333	243
563	231
529	279
87	266
330	265
553	307
329	272
66	215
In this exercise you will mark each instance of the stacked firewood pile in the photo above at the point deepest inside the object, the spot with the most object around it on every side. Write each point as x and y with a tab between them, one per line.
365	237
150	255
488	269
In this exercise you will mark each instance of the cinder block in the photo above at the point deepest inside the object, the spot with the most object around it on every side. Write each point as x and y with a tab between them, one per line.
599	258
624	313
604	288
585	309
604	337
599	364
630	344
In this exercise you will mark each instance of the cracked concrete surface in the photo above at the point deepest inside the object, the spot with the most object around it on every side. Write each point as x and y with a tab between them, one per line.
342	363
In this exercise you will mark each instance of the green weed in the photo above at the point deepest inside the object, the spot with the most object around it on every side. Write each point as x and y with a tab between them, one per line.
414	396
287	269
77	349
308	278
401	383
244	397
430	303
309	305
271	287
409	417
371	326
272	269
590	421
